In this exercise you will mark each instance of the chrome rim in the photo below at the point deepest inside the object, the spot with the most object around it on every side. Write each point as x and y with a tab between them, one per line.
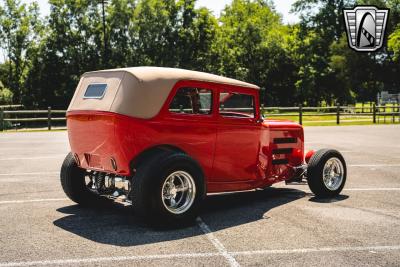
333	174
178	192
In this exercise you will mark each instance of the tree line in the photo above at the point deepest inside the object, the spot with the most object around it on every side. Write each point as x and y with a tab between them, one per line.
306	63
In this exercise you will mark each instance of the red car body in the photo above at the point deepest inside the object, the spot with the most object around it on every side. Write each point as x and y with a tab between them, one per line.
234	153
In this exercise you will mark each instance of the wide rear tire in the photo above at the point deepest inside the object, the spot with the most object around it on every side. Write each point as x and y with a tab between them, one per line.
152	186
73	183
326	173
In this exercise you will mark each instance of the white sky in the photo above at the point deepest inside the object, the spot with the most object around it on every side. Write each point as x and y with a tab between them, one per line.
282	6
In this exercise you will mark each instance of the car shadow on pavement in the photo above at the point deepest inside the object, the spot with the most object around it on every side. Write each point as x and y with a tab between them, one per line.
329	200
116	225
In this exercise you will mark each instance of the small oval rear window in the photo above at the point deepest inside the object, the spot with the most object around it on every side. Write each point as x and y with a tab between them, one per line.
95	90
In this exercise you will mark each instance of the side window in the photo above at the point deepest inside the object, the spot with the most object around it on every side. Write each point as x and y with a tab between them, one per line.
190	100
236	105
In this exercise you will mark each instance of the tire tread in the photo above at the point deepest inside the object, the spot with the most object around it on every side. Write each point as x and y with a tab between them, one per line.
145	184
314	173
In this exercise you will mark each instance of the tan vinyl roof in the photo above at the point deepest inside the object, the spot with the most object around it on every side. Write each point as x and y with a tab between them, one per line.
152	74
140	91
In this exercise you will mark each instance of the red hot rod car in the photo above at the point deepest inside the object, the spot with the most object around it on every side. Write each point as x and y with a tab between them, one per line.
162	138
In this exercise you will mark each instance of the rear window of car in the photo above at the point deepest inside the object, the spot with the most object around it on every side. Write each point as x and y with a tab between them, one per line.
95	90
190	100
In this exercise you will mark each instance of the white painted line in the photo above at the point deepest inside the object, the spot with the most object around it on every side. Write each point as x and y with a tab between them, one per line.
32	200
34	158
34	142
350	189
195	255
372	189
374	165
108	259
28	173
217	244
313	250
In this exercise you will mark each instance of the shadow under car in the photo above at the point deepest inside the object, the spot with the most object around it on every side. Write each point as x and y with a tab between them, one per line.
115	224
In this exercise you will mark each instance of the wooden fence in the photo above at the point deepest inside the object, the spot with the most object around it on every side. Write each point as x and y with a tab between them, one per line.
47	118
15	118
374	113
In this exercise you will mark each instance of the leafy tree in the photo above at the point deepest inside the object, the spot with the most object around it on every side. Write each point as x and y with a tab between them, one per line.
5	95
197	29
340	73
321	25
173	34
120	28
308	63
252	46
19	26
72	45
394	44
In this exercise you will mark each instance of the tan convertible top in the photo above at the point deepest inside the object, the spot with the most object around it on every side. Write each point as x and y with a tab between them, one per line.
139	92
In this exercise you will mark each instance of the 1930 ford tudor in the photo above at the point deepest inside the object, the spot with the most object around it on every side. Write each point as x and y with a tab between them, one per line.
162	138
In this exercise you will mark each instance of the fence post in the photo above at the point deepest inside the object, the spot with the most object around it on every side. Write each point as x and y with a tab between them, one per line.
301	114
384	114
262	109
338	114
49	118
374	113
1	120
398	109
393	116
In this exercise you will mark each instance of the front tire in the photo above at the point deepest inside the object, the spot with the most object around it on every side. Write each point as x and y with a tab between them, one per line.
326	173
167	189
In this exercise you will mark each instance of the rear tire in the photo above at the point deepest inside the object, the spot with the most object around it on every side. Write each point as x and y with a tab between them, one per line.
73	183
152	183
326	173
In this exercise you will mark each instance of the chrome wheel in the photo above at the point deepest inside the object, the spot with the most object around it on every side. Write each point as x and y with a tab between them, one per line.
333	174
178	192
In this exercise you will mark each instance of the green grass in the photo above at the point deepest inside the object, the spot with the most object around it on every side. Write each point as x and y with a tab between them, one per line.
316	120
31	130
368	107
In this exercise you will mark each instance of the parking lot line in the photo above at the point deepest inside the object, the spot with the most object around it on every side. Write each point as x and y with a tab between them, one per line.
316	250
373	165
217	244
28	173
33	200
107	259
372	189
34	158
197	255
33	142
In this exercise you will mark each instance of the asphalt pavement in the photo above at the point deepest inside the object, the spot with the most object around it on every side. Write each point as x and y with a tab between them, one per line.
280	226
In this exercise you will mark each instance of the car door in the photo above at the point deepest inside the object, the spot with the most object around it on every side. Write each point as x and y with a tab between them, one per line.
238	134
191	121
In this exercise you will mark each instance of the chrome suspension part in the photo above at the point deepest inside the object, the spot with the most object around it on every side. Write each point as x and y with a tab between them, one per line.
109	185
